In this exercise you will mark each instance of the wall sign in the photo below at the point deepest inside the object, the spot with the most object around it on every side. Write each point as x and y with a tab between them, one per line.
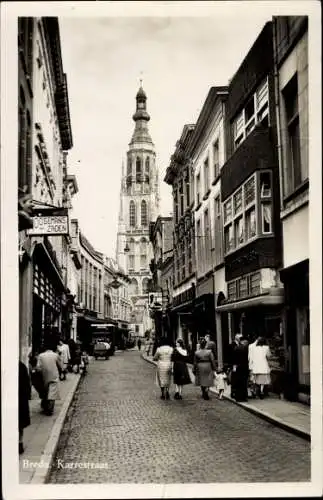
53	225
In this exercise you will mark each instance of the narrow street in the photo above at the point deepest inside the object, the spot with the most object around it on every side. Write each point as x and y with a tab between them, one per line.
118	419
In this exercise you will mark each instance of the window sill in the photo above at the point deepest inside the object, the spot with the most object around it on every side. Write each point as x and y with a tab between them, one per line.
205	197
299	190
217	178
227	254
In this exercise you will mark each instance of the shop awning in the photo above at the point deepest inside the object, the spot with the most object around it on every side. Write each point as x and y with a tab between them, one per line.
267	299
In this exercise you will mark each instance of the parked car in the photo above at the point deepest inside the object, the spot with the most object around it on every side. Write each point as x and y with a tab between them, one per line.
101	349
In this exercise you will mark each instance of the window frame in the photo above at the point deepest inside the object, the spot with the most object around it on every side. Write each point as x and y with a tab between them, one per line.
241	127
216	165
256	205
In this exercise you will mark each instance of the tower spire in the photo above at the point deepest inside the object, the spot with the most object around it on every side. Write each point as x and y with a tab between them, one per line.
141	118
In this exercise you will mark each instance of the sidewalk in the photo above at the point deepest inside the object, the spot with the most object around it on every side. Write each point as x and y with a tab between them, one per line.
292	416
41	437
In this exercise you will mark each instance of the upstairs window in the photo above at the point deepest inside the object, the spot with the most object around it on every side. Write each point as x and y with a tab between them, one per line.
206	175
295	175
216	160
147	164
198	188
248	213
255	111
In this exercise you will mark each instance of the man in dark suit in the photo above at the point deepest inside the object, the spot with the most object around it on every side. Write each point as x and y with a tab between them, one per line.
233	362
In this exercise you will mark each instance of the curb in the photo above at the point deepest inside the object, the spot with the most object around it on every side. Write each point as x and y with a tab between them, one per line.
259	413
41	474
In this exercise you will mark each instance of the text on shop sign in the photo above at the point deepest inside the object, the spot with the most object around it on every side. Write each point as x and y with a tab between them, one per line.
50	225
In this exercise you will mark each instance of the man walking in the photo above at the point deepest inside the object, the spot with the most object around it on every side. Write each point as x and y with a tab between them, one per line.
49	365
139	344
64	352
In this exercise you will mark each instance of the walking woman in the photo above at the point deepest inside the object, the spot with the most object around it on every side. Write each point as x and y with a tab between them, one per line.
163	356
260	365
204	368
180	370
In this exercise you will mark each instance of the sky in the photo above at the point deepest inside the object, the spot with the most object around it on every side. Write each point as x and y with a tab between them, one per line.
178	58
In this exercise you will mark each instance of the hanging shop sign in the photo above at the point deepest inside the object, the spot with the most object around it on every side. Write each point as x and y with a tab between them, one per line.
53	225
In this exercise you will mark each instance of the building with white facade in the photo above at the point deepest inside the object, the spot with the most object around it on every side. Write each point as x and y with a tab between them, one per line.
44	137
207	150
291	62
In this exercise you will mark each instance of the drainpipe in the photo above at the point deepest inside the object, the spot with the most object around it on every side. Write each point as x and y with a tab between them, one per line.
278	125
288	368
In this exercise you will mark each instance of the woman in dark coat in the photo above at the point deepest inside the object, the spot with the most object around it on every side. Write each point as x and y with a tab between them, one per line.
204	368
24	389
180	370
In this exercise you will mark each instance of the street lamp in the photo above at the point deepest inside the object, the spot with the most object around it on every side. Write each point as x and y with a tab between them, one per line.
126	248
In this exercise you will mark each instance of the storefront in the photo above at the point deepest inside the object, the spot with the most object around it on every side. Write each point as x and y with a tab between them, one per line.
297	330
48	296
204	312
260	315
183	317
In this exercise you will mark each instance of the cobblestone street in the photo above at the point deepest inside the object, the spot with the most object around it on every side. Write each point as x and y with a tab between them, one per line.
117	418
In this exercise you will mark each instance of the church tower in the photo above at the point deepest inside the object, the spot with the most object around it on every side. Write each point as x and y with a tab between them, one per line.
139	205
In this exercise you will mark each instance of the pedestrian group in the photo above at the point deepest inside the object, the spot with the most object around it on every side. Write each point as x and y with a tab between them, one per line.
247	370
46	369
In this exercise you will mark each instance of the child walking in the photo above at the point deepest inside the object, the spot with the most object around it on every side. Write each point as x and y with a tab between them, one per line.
221	382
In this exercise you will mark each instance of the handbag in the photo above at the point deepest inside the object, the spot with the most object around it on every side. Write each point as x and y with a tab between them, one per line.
37	382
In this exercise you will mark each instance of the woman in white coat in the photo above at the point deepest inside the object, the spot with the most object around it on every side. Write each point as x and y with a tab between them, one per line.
163	356
260	366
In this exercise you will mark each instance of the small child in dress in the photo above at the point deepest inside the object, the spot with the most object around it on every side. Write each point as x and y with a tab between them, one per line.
221	381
